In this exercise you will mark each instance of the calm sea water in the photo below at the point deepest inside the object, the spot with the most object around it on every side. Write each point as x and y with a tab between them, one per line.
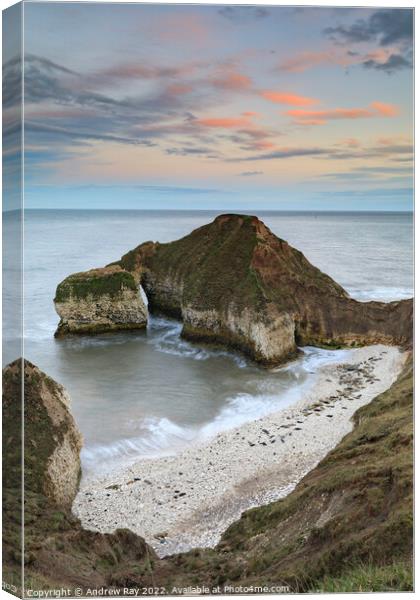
148	393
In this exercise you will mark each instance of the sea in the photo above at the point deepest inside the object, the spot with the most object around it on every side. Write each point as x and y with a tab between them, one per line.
137	395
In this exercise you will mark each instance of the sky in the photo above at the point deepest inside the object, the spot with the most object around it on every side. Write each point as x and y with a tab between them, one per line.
214	107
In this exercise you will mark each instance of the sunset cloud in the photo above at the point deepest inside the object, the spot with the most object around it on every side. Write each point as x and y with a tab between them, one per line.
320	117
386	110
288	98
224	122
389	60
232	81
308	60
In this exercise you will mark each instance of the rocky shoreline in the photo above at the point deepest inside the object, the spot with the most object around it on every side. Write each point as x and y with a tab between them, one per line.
185	501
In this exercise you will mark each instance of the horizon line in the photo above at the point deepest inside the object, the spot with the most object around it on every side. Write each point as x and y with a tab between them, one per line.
219	210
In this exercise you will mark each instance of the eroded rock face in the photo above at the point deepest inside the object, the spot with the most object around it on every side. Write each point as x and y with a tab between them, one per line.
52	441
234	282
57	550
98	301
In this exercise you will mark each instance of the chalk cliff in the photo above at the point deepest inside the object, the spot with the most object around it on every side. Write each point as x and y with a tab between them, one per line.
52	441
98	301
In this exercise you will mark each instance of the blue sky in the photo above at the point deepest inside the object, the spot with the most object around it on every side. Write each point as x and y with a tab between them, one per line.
224	107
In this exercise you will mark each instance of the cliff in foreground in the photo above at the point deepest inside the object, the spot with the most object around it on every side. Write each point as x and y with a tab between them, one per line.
346	527
56	548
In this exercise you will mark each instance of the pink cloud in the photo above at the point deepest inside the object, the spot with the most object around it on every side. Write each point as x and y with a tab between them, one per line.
224	122
263	145
320	117
244	130
288	98
386	110
232	81
307	60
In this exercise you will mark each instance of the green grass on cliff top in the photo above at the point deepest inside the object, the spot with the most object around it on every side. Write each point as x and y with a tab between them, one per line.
95	283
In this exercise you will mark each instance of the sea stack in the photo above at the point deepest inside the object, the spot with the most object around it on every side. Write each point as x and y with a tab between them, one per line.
99	300
231	282
236	283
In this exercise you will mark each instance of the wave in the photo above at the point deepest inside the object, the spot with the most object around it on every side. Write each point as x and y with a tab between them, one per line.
160	437
165	336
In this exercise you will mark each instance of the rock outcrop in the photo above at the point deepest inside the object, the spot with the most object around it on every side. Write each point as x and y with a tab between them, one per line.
99	300
56	549
52	441
234	282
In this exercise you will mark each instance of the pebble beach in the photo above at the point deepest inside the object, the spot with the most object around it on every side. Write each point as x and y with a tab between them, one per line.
188	500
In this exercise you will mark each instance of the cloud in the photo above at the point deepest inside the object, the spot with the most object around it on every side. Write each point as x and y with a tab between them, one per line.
192	151
385	110
248	135
389	151
224	122
251	173
232	81
140	71
288	98
395	62
390	28
84	135
388	60
320	117
386	26
283	154
308	60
